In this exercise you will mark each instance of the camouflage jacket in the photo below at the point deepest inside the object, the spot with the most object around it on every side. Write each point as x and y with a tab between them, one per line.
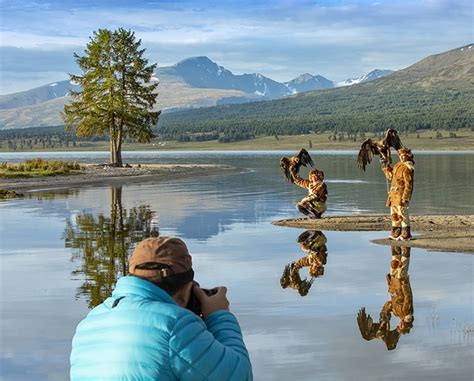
316	192
401	303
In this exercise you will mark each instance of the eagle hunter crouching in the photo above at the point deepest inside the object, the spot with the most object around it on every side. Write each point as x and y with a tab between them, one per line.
402	176
313	205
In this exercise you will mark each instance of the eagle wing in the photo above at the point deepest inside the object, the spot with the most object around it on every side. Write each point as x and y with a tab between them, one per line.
291	166
367	327
305	158
392	139
285	277
285	166
366	153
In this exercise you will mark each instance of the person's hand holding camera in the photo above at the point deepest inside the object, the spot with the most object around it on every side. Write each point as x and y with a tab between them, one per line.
210	304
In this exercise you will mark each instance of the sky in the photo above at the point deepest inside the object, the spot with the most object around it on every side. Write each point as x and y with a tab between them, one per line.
280	39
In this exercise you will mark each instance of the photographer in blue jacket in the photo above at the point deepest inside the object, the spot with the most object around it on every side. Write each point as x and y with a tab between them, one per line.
145	332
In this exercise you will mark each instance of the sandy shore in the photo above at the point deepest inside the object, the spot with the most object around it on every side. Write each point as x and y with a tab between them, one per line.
453	233
104	175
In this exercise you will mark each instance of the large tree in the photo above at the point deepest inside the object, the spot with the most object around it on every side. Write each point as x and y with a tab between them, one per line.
117	96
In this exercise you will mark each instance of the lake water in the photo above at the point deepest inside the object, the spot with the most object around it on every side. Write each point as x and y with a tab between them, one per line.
61	251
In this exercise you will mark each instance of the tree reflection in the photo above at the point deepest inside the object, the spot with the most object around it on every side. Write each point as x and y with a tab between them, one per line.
103	244
312	242
400	303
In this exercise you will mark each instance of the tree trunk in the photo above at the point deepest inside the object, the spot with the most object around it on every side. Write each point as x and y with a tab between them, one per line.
118	154
115	146
112	152
119	145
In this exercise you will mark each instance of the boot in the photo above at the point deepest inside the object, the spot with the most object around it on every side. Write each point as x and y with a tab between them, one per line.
396	231
303	210
406	234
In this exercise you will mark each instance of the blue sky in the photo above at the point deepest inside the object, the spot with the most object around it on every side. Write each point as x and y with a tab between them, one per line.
280	38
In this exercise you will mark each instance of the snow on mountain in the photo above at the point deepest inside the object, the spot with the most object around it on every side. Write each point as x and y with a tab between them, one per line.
374	74
202	73
308	82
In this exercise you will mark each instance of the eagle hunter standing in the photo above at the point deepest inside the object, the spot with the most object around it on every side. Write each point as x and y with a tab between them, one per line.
402	176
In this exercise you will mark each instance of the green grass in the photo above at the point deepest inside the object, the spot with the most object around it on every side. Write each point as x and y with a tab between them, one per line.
38	168
6	194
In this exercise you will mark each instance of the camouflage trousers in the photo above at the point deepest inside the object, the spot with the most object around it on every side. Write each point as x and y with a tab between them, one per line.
311	207
399	215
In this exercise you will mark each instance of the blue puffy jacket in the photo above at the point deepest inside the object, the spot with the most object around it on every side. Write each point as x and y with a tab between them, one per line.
147	336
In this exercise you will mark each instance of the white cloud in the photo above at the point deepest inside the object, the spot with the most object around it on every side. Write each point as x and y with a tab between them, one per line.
281	39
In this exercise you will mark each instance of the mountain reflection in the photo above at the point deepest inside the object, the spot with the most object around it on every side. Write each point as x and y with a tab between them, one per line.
400	303
103	244
312	242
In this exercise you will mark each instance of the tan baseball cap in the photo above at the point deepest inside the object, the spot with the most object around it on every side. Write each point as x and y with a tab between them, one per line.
170	252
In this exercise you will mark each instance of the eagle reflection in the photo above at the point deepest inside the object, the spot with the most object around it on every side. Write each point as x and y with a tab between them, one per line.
400	303
312	242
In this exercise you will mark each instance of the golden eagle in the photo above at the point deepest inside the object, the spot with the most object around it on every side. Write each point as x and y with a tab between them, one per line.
367	327
370	147
291	166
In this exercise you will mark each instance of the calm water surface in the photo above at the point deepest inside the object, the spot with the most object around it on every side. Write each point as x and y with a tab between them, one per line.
61	252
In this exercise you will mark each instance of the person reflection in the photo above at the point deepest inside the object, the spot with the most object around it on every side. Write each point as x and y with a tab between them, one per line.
312	242
400	303
103	243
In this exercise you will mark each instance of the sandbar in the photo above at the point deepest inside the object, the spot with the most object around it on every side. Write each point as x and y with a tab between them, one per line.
98	174
452	233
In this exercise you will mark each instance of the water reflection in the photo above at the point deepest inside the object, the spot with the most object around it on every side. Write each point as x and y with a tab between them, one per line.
400	303
312	242
54	194
103	244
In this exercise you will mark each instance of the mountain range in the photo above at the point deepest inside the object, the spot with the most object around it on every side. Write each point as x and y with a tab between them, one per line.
436	92
191	83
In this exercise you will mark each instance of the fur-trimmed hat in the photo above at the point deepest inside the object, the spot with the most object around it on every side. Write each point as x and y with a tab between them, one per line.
405	154
317	172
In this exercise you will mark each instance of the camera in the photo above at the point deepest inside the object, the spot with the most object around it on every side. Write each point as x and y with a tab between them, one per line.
194	304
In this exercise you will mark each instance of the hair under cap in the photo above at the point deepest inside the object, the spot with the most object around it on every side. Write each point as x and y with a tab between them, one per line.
169	252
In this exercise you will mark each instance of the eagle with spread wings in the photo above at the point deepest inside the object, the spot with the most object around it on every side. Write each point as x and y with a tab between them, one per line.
370	147
291	166
367	327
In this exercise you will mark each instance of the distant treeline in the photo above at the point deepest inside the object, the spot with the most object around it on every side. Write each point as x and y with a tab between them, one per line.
41	137
350	111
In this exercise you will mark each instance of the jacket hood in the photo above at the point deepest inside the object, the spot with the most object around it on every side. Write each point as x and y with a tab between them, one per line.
137	287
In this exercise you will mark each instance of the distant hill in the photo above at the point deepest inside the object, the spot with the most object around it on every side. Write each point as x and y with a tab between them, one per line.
374	74
192	83
436	92
201	72
308	82
37	95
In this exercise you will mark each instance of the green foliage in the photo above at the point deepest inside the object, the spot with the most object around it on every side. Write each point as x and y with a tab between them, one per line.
38	167
347	110
117	95
7	194
235	136
103	243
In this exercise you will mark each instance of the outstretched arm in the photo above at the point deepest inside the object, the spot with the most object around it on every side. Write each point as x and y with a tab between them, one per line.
388	172
300	181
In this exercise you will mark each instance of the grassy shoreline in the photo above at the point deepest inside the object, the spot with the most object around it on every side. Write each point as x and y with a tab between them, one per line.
423	140
98	175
